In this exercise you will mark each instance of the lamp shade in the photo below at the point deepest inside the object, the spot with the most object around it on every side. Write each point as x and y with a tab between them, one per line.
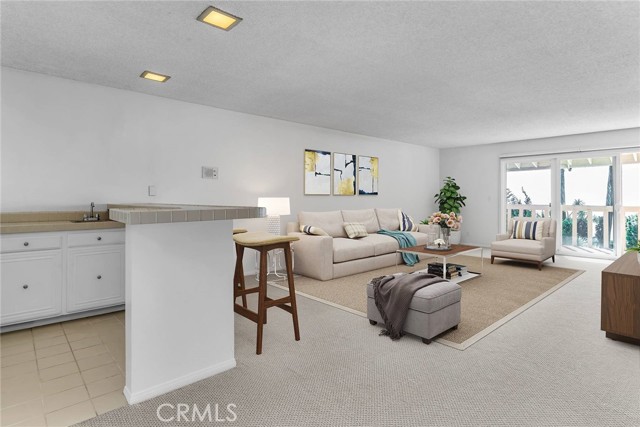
275	205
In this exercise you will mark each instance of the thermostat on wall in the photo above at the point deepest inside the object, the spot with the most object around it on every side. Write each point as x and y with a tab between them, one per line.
209	172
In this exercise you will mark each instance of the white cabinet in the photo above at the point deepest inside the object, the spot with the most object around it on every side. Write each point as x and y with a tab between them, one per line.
31	285
95	277
53	274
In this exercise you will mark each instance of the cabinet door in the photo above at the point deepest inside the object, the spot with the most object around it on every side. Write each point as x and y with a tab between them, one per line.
95	277
31	286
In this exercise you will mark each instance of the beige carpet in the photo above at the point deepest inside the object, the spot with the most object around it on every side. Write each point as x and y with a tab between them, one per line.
504	290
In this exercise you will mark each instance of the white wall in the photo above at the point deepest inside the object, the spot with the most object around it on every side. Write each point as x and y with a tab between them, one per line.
66	143
477	171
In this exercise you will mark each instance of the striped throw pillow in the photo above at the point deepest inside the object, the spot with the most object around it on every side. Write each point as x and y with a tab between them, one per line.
531	230
313	231
355	230
406	222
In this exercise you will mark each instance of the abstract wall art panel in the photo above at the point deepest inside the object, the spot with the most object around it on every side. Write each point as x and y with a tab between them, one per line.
367	175
317	172
344	174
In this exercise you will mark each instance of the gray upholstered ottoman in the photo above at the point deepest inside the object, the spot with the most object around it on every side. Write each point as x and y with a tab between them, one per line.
434	309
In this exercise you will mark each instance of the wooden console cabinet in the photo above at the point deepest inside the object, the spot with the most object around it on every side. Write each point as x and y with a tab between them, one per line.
620	316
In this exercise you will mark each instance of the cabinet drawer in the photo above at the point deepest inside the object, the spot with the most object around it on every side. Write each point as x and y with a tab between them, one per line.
96	238
27	242
95	277
31	286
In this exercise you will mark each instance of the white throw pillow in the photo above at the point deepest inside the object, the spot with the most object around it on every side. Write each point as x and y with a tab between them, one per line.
313	231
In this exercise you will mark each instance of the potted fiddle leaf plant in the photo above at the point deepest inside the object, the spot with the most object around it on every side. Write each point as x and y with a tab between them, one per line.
449	198
449	201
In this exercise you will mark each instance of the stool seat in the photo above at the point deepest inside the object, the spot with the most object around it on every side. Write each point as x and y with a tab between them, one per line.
257	239
239	230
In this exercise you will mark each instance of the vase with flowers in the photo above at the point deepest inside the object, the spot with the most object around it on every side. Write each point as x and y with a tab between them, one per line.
447	222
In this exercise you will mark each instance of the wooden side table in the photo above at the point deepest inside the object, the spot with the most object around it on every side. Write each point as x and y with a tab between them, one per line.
620	315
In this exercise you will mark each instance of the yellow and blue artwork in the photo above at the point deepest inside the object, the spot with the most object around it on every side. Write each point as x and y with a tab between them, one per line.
317	172
368	174
344	174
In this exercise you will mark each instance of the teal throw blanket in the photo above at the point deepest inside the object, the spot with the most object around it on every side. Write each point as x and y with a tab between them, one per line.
405	240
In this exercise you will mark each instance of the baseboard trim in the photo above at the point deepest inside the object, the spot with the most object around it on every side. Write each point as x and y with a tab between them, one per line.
62	318
177	383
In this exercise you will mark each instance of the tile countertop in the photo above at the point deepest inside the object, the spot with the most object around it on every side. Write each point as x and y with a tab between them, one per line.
143	213
36	222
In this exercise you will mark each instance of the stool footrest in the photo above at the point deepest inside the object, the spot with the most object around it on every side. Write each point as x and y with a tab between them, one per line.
245	312
276	302
240	292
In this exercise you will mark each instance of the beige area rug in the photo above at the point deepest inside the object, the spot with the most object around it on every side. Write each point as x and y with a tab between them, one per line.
504	290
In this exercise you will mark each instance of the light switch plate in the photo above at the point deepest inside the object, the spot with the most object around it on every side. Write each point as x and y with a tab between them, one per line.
152	190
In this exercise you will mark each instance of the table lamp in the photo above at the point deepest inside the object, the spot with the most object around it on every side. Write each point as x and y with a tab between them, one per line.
275	207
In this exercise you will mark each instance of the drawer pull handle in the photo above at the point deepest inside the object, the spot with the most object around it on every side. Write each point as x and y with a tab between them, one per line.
26	243
25	286
99	277
99	238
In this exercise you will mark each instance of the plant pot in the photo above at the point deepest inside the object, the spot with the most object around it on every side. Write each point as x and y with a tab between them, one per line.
454	238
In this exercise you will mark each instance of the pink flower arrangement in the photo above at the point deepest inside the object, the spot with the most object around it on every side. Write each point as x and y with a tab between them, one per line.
451	220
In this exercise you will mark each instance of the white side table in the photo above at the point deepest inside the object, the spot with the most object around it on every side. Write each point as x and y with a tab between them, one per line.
274	263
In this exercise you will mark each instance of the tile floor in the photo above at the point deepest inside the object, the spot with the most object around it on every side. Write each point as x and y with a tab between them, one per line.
64	373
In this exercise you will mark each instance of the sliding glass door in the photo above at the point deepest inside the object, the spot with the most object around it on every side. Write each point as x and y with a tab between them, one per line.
630	203
594	196
587	204
528	188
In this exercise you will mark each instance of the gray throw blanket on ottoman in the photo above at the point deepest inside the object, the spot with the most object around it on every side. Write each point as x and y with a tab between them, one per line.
393	295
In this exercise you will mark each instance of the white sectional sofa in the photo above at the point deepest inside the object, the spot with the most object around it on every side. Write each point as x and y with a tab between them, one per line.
335	255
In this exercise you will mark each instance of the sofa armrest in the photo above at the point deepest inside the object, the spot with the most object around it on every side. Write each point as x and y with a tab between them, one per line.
313	256
425	228
503	236
549	244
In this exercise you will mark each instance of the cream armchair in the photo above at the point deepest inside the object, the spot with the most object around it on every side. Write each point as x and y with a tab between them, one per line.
536	251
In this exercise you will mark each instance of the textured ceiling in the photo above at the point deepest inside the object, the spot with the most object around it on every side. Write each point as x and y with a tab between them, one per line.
439	74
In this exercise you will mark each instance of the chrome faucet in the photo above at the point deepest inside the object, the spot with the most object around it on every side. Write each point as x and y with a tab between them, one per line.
91	217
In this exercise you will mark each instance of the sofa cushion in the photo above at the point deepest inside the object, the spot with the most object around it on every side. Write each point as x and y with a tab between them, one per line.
388	219
381	244
363	216
519	246
350	249
421	238
330	222
355	230
431	298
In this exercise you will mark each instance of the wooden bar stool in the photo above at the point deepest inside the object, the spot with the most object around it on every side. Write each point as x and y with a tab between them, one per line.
263	243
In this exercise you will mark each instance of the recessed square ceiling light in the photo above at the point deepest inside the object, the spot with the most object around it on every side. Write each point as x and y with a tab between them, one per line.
219	18
155	76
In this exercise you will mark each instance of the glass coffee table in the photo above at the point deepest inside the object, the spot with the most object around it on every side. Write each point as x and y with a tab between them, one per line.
447	253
